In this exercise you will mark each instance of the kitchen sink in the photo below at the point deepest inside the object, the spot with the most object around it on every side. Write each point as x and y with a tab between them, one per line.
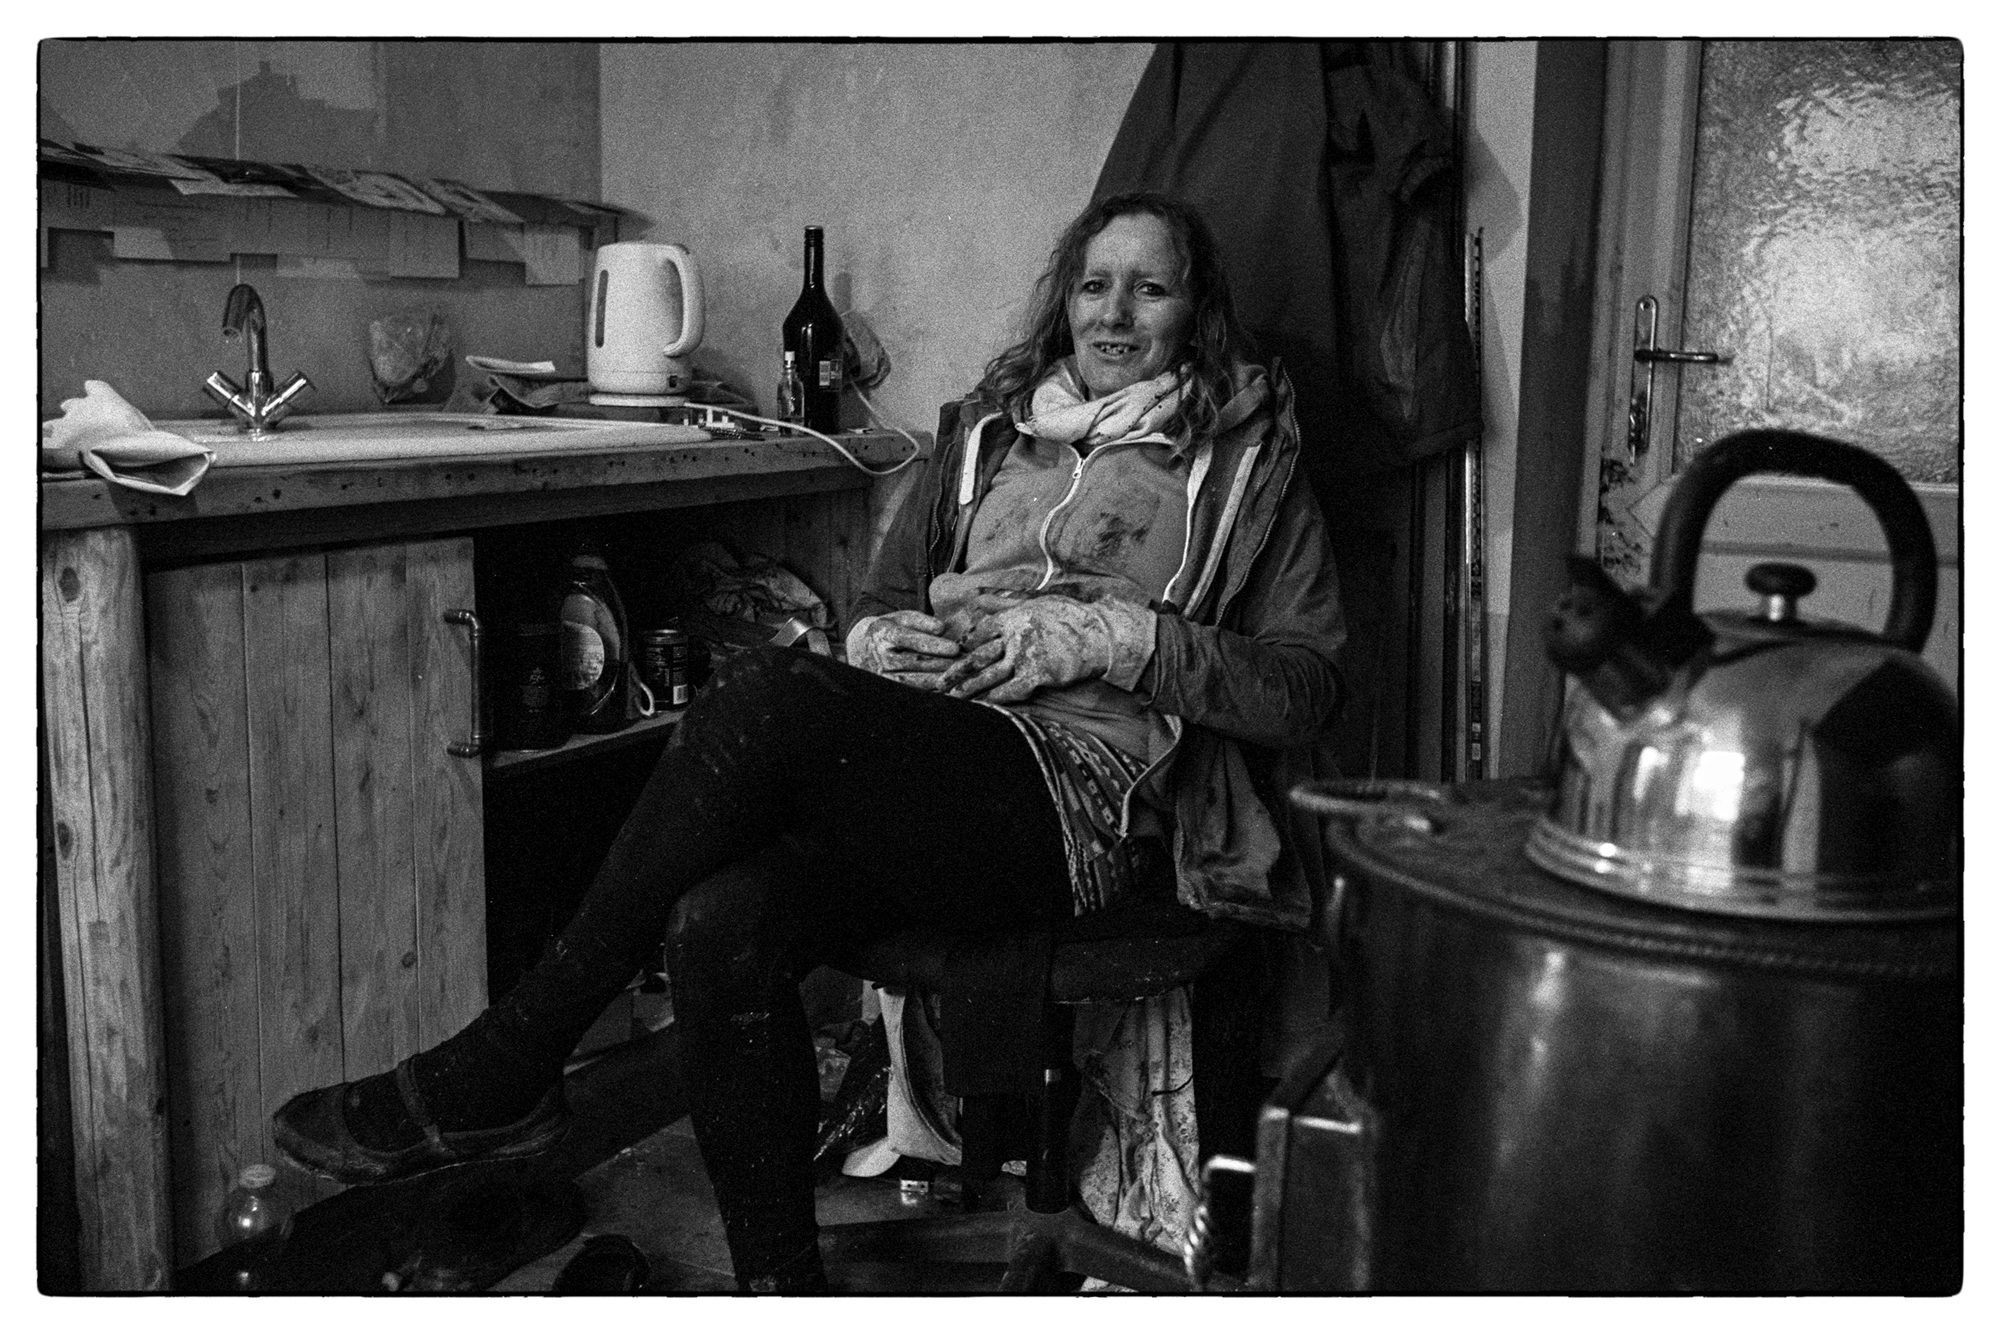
347	437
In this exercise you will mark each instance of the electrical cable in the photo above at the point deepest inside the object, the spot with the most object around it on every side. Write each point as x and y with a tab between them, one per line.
916	449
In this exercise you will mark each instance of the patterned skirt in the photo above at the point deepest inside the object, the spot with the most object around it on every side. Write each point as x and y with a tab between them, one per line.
1088	780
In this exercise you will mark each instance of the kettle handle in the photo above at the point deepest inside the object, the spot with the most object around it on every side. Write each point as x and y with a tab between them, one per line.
691	304
1912	552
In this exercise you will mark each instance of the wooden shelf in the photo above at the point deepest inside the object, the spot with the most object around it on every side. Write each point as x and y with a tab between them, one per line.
512	762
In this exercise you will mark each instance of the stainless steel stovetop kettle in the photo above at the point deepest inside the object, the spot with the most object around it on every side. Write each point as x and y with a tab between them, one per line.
1758	763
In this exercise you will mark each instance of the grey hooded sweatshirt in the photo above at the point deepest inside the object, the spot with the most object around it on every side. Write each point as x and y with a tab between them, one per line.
1243	671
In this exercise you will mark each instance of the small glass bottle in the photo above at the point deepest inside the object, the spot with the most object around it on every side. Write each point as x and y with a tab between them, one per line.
255	1223
791	392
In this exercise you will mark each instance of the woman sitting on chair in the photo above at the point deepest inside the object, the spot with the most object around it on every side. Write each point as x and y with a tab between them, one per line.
1102	613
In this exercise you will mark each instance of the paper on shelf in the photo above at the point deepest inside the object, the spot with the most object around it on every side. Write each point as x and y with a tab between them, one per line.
501	365
465	201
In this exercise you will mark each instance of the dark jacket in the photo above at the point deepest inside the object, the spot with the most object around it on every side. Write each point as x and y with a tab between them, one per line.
1327	176
1245	673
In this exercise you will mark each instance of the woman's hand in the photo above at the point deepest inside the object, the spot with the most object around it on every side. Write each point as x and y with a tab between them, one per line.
1050	641
903	645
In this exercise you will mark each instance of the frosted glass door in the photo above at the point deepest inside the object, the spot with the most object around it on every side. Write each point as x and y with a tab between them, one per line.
1822	257
1824	251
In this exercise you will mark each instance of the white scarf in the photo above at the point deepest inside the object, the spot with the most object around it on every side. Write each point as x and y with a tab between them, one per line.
1065	414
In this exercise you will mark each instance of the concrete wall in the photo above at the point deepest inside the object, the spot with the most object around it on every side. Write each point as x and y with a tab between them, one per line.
941	173
502	115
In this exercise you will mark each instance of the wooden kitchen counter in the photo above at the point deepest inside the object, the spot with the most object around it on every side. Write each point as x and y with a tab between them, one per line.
252	508
263	836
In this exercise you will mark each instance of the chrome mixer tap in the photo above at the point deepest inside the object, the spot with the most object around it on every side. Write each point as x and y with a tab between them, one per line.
254	404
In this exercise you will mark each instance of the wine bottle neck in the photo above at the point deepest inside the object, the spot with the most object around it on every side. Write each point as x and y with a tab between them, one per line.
815	259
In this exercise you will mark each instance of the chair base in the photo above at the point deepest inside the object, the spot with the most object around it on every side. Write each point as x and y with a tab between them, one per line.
1038	1249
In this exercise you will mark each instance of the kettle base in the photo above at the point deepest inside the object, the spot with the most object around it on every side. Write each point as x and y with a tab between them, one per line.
1736	891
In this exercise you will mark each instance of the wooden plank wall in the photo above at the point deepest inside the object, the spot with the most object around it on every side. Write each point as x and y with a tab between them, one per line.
101	803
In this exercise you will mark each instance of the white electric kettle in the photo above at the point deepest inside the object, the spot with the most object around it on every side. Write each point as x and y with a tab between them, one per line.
644	318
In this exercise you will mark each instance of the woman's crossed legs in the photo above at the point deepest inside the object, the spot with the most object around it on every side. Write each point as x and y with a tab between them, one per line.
796	799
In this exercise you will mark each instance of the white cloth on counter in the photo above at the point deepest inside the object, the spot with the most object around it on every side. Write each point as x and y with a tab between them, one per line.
107	435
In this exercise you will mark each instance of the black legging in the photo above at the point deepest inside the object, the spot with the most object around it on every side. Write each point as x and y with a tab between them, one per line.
798	798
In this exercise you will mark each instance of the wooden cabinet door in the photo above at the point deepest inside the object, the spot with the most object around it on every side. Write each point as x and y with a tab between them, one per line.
320	854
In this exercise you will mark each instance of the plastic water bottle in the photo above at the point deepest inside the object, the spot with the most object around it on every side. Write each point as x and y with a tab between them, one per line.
256	1223
595	649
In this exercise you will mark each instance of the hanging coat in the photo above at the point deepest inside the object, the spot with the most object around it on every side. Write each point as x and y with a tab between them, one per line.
1325	173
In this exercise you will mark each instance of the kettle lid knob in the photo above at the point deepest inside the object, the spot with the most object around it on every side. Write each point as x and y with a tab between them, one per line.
1781	585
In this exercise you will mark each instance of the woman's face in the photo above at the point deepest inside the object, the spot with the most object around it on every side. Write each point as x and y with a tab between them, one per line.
1130	310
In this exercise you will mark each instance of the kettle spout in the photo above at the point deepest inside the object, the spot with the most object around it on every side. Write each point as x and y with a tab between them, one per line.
1622	650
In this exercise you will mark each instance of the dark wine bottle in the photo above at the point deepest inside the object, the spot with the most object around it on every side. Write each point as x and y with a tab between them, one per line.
813	336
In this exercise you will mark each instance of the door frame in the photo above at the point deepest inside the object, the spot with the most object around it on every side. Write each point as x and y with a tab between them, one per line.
1651	96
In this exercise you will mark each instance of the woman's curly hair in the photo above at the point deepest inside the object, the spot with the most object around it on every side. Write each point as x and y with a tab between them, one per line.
1215	340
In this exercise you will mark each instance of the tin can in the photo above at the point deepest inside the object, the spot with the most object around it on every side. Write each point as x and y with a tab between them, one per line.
528	711
665	658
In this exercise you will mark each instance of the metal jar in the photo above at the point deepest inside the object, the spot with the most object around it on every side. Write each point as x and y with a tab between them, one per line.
1544	1087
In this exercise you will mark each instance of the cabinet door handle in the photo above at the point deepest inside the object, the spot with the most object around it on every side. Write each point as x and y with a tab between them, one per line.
475	744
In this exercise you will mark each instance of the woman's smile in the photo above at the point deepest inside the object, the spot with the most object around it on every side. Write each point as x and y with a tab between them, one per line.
1129	314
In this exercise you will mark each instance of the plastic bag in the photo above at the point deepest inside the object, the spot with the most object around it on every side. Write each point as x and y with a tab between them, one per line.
867	361
410	357
756	588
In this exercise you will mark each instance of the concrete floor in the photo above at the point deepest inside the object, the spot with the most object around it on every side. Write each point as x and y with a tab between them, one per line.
656	1194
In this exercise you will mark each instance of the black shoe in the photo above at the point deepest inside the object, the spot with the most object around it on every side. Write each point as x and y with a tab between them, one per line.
605	1265
311	1131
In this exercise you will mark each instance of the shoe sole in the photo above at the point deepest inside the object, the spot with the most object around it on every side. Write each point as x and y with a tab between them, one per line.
542	1141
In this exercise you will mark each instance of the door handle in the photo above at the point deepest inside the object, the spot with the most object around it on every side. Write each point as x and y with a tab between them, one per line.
474	744
1647	352
1677	355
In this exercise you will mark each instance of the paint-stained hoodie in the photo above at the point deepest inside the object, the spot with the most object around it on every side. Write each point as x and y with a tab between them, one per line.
1243	668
